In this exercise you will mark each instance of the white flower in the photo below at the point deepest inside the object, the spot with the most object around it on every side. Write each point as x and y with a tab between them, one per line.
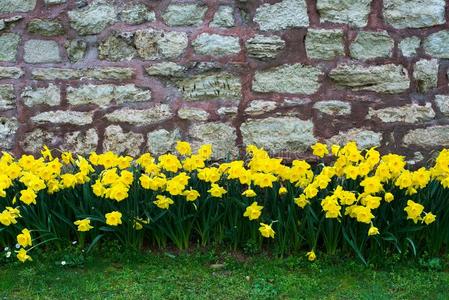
74	242
6	248
63	263
17	246
8	254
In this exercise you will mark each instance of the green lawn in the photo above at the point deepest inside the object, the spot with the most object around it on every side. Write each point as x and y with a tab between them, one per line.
208	276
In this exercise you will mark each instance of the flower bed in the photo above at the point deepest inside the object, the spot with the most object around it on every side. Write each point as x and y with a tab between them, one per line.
358	202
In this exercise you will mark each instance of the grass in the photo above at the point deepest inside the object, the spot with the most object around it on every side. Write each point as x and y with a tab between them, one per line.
211	276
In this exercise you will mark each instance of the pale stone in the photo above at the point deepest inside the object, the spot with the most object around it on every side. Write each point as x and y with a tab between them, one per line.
426	74
116	48
106	73
409	45
9	44
162	141
141	117
324	43
122	143
76	49
333	107
50	95
215	44
10	6
363	137
184	14
368	45
80	142
228	111
210	86
414	13
407	114
166	69
93	18
437	44
103	95
137	14
435	136
221	136
45	27
155	44
281	15
41	51
279	134
264	47
64	117
36	139
7	97
258	107
54	2
8	128
224	17
442	103
193	114
388	78
292	79
352	12
10	72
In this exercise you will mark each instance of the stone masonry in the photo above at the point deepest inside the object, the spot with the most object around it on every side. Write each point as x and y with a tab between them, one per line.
136	75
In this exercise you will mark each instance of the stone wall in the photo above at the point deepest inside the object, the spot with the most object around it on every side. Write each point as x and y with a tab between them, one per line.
133	76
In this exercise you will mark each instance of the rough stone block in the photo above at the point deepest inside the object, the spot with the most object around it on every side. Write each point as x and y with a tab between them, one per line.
93	18
7	97
64	117
264	47
324	43
352	12
184	14
210	86
370	45
41	51
117	141
215	44
9	44
50	95
406	114
414	13
141	117
281	15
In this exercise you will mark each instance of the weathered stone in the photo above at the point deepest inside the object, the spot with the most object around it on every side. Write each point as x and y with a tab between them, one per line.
279	134
407	114
116	48
103	95
333	107
184	14
363	137
409	45
36	139
45	27
442	103
281	15
54	2
10	72
10	6
386	78
437	44
352	12
162	141
137	14
215	44
141	117
41	51
434	136
210	86
369	45
2	24
426	74
166	69
221	136
228	111
76	49
107	73
264	47
224	17
193	114
117	141
155	44
295	102
324	43
292	79
93	18
8	128
7	22
80	142
258	107
50	95
7	97
9	44
414	13
64	117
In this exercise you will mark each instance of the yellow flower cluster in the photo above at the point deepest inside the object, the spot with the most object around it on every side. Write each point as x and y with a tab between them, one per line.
375	179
